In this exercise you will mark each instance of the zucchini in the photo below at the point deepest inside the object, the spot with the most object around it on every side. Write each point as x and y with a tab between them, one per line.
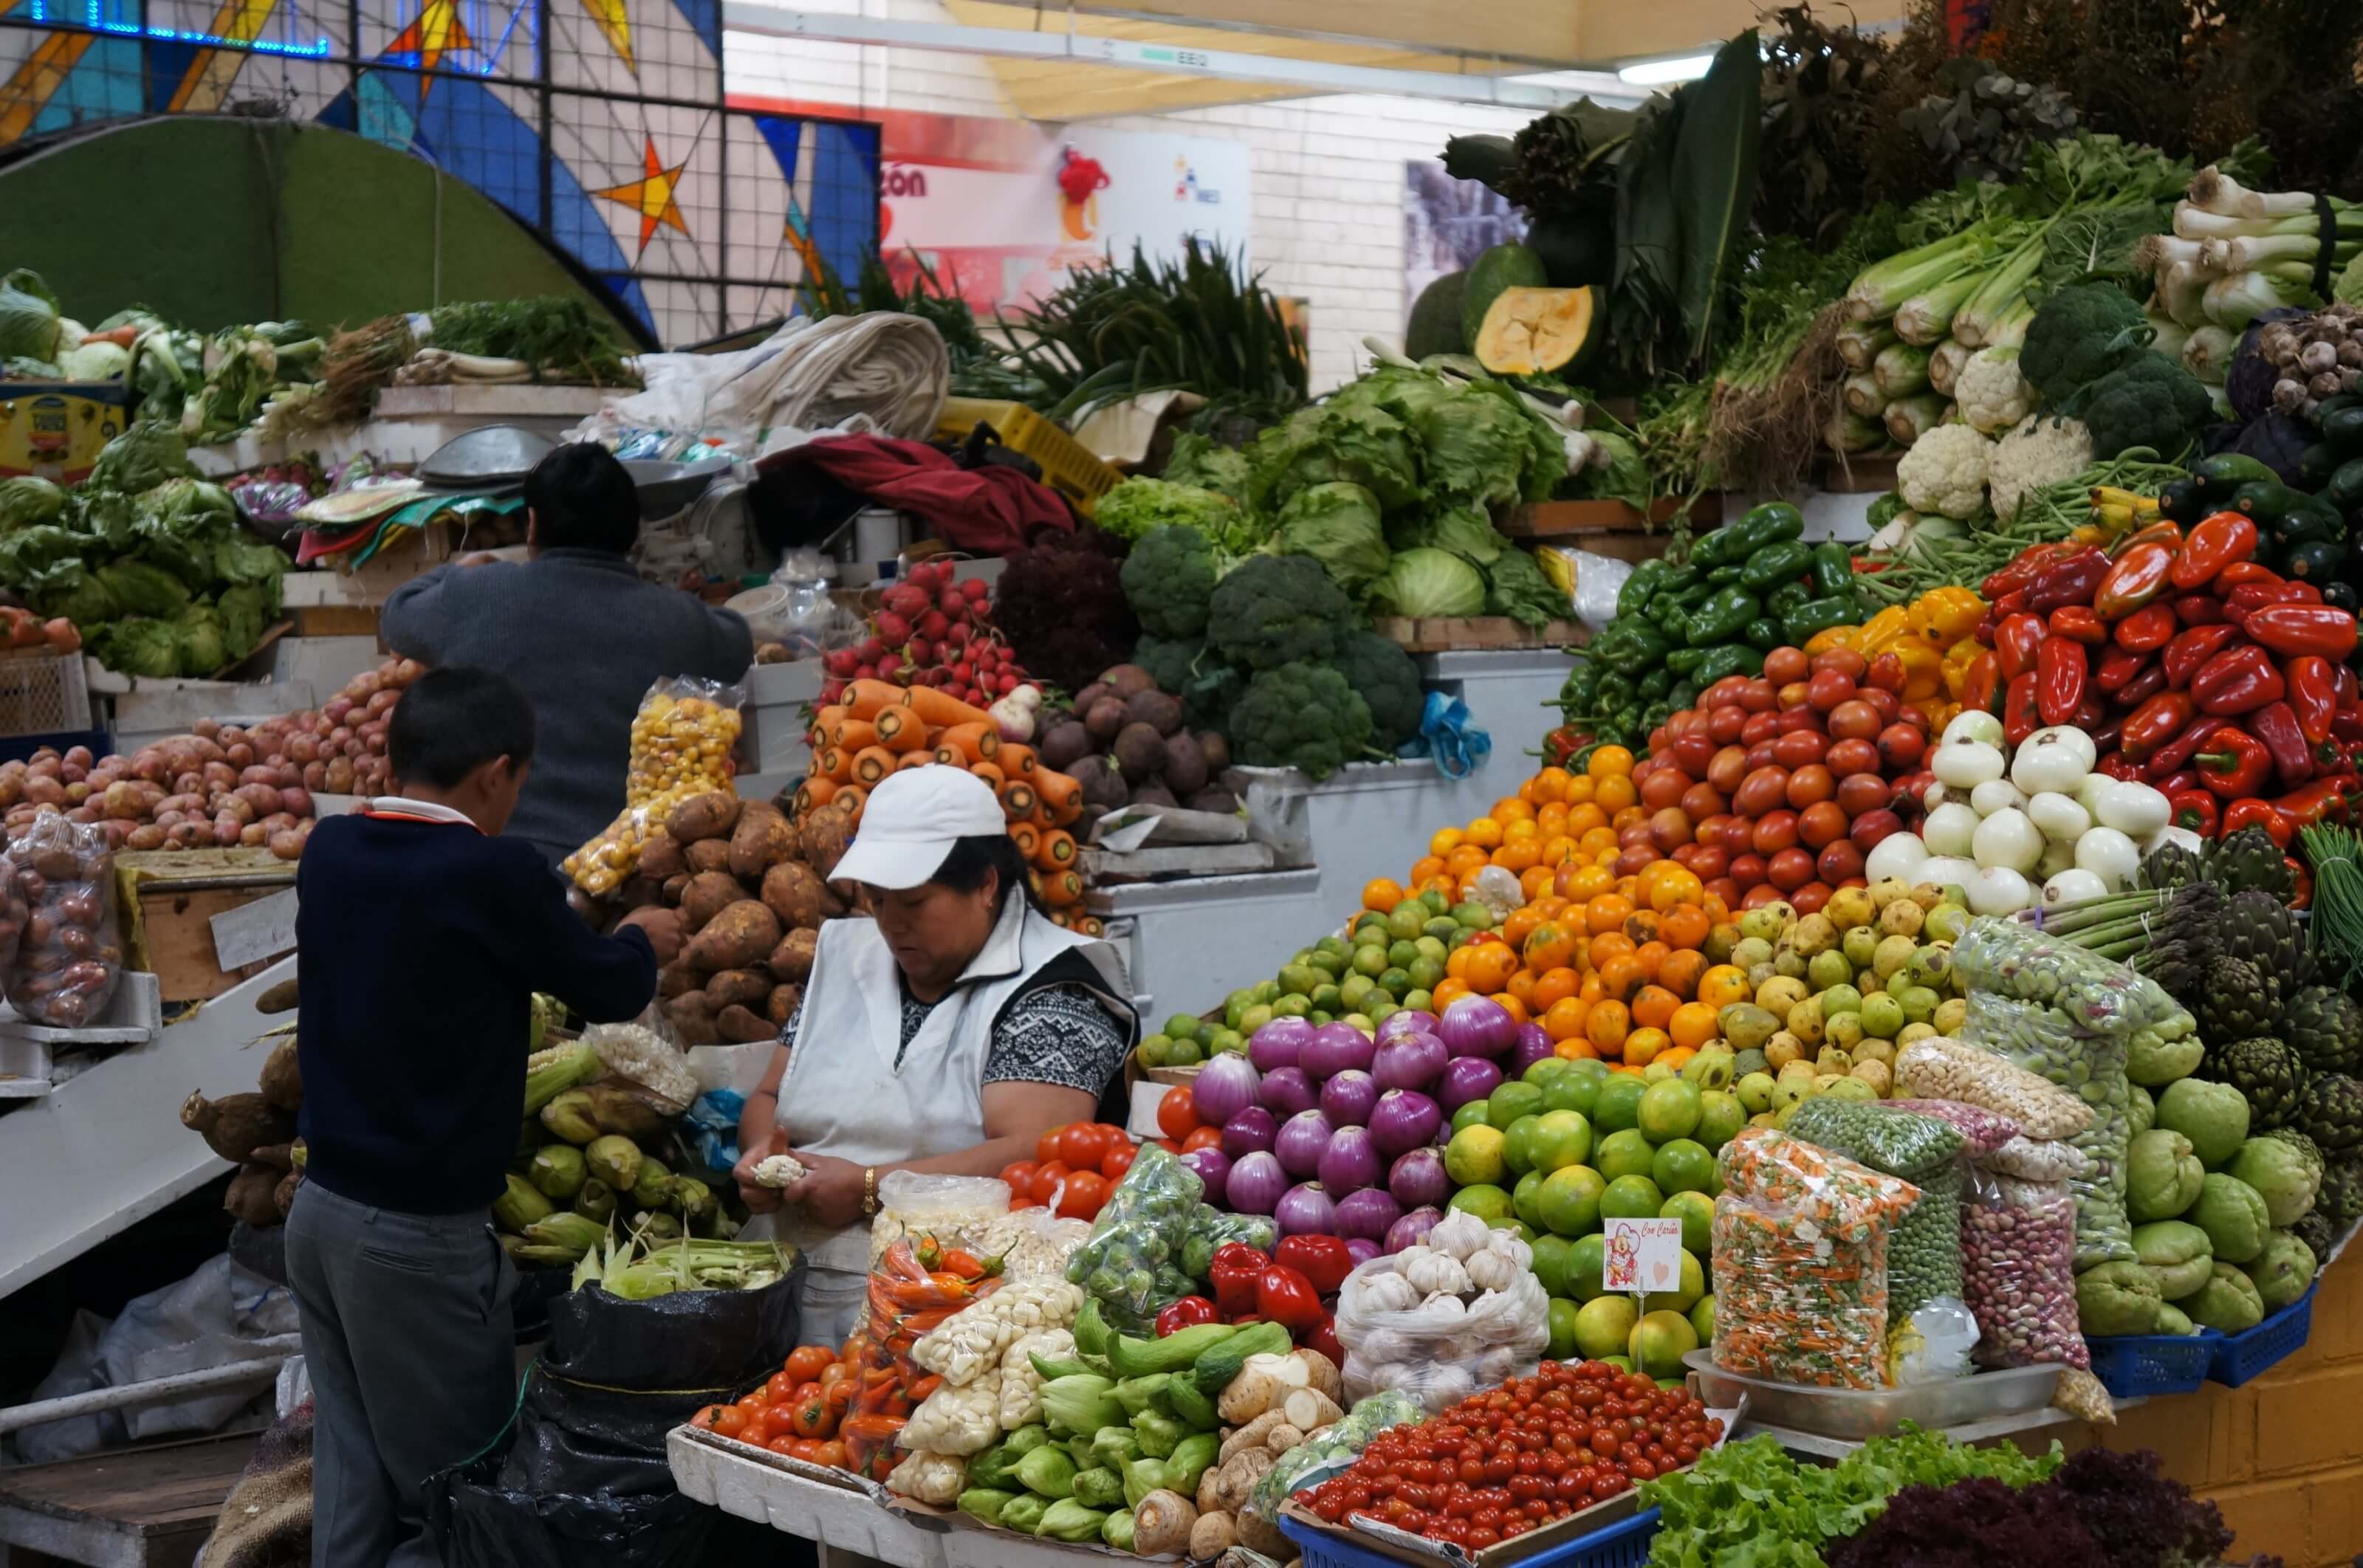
2315	562
2220	475
2345	487
1216	1367
2268	501
2177	502
2314	467
2342	431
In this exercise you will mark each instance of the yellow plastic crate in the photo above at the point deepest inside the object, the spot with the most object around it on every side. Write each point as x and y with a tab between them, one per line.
1067	464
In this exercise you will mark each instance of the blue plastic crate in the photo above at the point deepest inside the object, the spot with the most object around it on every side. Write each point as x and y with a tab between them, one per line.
2244	1355
1624	1544
20	748
2133	1366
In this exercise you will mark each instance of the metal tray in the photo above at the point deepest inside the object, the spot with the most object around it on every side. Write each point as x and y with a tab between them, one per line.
1855	1414
494	455
666	487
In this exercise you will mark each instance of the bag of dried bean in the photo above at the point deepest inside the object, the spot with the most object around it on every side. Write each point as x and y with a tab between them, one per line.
2018	1271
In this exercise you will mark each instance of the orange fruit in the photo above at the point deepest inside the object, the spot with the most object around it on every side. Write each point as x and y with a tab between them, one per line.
1555	986
1652	956
1439	883
1444	841
1641	926
1654	1005
1685	925
1610	762
1563	1020
1550	945
1512	1005
1692	1025
1456	962
1681	970
1485	833
1642	1046
1605	1026
1575	1049
1466	859
1723	985
1534	881
1607	912
1522	828
1448	990
1528	793
1609	945
1522	986
1582	883
1623	976
1675	1055
1551	819
1558	849
1520	855
1583	819
1510	809
1490	965
1617	792
1518	922
1382	894
1550	786
1580	788
1425	869
1679	885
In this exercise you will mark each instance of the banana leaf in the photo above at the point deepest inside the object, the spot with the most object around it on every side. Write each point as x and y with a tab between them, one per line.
1715	180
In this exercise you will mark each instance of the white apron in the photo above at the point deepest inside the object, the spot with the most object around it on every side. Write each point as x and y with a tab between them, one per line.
844	1096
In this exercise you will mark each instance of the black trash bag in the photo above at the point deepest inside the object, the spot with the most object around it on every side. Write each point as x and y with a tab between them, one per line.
696	1339
480	1524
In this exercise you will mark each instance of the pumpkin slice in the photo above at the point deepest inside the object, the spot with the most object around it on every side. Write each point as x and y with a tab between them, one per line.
1531	332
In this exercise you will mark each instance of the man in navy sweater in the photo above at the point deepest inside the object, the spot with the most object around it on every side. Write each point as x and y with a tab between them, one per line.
424	935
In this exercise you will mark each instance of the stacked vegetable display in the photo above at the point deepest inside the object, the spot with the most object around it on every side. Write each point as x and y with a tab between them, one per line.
931	632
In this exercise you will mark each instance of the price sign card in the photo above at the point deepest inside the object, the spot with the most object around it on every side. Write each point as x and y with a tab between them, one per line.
1644	1254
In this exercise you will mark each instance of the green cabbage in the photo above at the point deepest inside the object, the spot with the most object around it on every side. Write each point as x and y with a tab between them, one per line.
1429	581
143	589
1406	393
1466	530
99	361
26	551
1477	446
26	501
141	459
109	520
28	318
71	590
1358	442
1201	461
1336	525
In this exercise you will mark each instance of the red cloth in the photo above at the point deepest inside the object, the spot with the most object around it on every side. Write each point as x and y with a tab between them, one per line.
994	510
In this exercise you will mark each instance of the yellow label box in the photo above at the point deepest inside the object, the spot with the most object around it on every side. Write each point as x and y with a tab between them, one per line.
54	429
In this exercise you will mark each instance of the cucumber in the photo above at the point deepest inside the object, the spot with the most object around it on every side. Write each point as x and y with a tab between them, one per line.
1193	1406
2314	467
2220	475
2342	431
2267	500
1214	1369
2345	489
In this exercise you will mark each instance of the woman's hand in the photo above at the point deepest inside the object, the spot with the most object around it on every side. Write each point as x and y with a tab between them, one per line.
759	1198
831	1191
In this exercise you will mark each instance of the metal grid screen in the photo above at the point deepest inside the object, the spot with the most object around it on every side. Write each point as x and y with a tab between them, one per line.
599	123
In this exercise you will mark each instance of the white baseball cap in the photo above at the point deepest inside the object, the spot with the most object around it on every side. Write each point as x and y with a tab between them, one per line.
910	822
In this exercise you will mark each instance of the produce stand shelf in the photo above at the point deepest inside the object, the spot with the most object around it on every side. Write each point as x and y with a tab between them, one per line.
1624	1544
1557	519
144	1508
838	1518
1815	1445
1475	634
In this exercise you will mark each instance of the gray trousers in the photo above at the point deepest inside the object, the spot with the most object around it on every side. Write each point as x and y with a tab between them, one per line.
409	1344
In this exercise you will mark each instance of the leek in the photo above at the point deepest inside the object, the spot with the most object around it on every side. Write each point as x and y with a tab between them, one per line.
1863	396
2231	302
1928	317
1901	369
2011	330
1944	365
2182	293
1848	432
2198	223
2157	252
1883	288
2207	353
2213	191
1910	418
2004	286
2171	337
1859	342
2247	255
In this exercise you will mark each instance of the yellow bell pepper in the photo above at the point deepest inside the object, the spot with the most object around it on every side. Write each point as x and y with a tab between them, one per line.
1958	660
1945	615
1940	712
1923	667
1830	637
1884	631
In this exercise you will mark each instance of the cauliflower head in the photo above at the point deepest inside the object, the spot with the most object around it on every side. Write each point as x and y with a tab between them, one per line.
1945	472
1992	394
2034	453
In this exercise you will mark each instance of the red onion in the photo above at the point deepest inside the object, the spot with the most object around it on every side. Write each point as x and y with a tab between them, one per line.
1367	1213
1250	1130
1285	1091
1303	1138
1532	1046
1410	1060
1351	1163
1337	1048
1406	1020
1276	1044
1419	1178
1477	1026
1361	1249
1347	1098
1255	1184
1401	1121
1305	1210
1410	1229
1227	1086
1214	1169
1465	1078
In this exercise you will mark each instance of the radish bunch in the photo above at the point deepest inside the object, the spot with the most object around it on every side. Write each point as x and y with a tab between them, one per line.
930	631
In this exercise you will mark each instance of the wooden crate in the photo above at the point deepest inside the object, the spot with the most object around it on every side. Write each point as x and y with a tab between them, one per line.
1556	519
168	898
1474	634
1873	475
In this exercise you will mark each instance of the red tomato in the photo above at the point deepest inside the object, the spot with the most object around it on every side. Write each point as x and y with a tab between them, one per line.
1775	831
1838	862
1790	870
1083	1146
1824	822
1202	1138
1861	793
1901	746
1046	1147
1177	1113
1723	724
1119	1160
1086	1190
1046	1181
807	1362
1019	1175
1809	899
1854	720
1849	756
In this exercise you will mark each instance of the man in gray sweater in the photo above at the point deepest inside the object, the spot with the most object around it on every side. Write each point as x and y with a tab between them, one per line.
577	630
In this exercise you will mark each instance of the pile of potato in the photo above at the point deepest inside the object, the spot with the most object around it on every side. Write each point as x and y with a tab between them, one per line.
752	889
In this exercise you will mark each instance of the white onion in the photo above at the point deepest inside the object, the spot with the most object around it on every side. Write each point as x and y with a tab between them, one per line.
1933	796
2173	834
1950	829
2073	885
1972	725
1996	795
2132	808
2058	855
1999	890
2061	818
2008	839
2088	789
1947	871
1966	764
1899	854
2052	759
2109	853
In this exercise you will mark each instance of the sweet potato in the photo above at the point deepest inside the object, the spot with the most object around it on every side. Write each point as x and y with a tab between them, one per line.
761	840
661	856
693	1020
677	979
248	1198
737	987
707	895
794	892
738	938
741	1027
827	834
674	887
792	960
708	854
784	1003
283	1080
710	815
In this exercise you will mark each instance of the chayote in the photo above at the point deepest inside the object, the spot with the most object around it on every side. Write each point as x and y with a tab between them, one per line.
2282	1271
2227	1302
2232	1214
2117	1298
2177	1255
2215	1117
2162	1176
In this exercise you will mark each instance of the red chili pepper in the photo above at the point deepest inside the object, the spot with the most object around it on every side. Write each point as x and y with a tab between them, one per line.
2155	723
2019	718
2263	814
2199	610
2292	629
2237	680
2292	757
2214	543
2149	627
2144	685
2135	578
2159	533
2188	778
1981	687
2117	764
2175	756
2242	604
2241	573
2194	810
2306	593
2016	641
2312	694
2236	764
2350	690
2009	605
2193	649
2060	672
2104	732
1186	1313
2118	667
1285	1297
2302	898
2089	712
2333	798
2078	624
2348	725
2073	579
1233	1275
2021	571
1323	1259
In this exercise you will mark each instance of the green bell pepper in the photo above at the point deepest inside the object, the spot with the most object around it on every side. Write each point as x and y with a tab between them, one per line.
1616	691
1022	1512
1785	598
1646	579
1099	1488
1722	617
985	1503
1833	568
1771	523
1668	614
1067	1520
1725	575
1776	564
1762	633
1656	713
1684	695
1732	659
1818	615
1654	684
1580	686
1685	660
1643	648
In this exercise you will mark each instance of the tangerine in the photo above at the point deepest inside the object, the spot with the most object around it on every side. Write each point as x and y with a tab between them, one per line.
1723	985
1485	833
1642	1046
1681	971
1692	1025
1382	894
1563	1020
1547	945
1655	1006
1606	1025
1444	841
1685	925
1610	762
1555	986
1607	912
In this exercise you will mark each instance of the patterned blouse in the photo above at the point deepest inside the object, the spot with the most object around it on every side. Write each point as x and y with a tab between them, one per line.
1054	1034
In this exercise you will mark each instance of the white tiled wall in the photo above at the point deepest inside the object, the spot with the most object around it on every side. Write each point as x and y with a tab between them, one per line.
1329	171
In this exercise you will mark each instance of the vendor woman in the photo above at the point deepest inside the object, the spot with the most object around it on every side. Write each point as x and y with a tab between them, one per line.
945	1034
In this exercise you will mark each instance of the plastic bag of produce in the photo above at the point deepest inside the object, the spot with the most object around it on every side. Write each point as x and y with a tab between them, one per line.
1924	1255
2018	1271
680	745
67	955
1311	1463
1982	1131
1800	1248
1210	1228
920	1281
1941	1069
1440	1321
2007	958
2047	1042
1131	1261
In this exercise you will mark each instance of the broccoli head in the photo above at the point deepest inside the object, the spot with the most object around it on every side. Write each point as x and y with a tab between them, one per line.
2079	336
1274	610
1386	680
2149	401
1185	669
1168	579
1303	716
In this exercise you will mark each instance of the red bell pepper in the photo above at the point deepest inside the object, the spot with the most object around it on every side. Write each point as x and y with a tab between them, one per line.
2241	573
2009	605
2022	570
2292	755
2060	672
2150	627
2306	593
1562	744
1233	1275
1323	1259
2161	532
2244	601
2187	778
2019	715
2149	683
2292	629
2016	641
2155	723
2117	764
2194	810
2237	680
2191	649
2332	798
2117	667
2236	765
2312	694
2263	814
2078	624
2199	610
1981	687
2133	580
2176	754
1322	1337
2073	579
2213	544
1186	1313
1285	1297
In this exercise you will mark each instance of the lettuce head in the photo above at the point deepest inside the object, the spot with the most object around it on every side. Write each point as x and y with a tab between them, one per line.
1339	442
26	499
1336	525
1429	581
29	323
142	458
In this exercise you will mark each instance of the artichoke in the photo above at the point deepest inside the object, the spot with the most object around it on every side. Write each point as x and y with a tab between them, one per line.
2242	998
2340	1201
2190	936
2268	1074
2330	1111
2249	859
2325	1027
2314	1231
2262	929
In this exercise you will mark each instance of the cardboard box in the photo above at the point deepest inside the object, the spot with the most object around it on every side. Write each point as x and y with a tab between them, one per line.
53	430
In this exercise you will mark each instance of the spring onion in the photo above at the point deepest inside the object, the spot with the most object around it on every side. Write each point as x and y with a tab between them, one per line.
1900	370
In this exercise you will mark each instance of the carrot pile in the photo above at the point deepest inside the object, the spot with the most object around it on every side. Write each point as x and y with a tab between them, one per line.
878	728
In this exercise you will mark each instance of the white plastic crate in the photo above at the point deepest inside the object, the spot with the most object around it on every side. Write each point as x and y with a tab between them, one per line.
43	695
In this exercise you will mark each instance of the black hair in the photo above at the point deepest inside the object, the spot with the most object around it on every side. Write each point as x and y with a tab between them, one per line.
969	858
582	499
451	722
